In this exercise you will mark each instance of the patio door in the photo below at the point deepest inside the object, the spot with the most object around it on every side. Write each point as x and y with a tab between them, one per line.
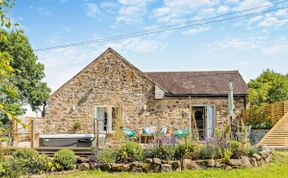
107	115
102	116
210	121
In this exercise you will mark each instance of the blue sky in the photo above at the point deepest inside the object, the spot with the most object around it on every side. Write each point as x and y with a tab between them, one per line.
249	45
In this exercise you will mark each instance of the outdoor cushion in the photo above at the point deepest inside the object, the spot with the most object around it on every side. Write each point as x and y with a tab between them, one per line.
146	131
152	130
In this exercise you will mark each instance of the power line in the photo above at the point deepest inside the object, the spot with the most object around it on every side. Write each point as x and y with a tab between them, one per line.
174	27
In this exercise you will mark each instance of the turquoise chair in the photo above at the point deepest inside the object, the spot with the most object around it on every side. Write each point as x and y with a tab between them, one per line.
178	133
182	133
129	133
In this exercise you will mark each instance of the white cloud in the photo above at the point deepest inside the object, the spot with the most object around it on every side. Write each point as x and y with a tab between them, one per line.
193	31
259	43
131	14
255	20
92	10
282	13
62	64
222	9
232	1
248	4
179	8
132	11
276	49
136	45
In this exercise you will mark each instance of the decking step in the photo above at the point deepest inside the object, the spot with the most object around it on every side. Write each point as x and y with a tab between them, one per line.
278	135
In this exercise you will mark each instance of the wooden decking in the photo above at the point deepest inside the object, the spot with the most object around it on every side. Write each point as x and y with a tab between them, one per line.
277	137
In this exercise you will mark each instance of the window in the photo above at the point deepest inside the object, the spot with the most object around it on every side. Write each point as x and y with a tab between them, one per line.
107	116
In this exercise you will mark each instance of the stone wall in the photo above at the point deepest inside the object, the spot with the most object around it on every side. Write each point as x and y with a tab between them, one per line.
174	111
112	81
109	80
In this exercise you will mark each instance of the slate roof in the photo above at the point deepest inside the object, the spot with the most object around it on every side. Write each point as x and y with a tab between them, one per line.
202	83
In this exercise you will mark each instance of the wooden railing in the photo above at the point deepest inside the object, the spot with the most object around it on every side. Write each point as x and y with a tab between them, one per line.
33	126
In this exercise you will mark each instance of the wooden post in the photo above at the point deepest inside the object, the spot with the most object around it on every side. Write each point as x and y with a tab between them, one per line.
45	125
97	135
36	140
32	133
16	140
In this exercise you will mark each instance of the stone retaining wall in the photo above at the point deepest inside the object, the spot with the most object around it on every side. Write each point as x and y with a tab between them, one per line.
157	165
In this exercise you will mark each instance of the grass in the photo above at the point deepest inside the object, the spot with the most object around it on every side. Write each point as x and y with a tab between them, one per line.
278	168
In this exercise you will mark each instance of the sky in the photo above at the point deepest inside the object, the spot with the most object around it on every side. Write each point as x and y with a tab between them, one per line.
249	45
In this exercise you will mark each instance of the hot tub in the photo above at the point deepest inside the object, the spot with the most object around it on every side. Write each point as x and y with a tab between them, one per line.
68	140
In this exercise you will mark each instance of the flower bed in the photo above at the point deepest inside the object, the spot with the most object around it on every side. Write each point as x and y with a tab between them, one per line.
264	156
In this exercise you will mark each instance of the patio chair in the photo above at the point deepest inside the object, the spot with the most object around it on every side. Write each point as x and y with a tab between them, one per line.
182	133
129	133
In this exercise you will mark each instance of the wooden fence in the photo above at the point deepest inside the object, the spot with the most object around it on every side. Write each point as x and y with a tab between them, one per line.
271	112
29	132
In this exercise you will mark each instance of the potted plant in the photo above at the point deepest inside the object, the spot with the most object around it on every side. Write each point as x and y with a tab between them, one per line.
76	126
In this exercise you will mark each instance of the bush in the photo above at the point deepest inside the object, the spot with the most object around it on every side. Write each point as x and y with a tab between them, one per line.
207	151
253	150
165	152
226	154
107	156
129	152
180	152
192	151
65	159
8	169
29	161
238	149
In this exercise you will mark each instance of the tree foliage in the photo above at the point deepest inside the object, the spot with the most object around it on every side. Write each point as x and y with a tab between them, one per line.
28	73
269	87
7	89
20	73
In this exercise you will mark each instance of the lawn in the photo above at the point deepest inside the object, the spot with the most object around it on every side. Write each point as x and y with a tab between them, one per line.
277	168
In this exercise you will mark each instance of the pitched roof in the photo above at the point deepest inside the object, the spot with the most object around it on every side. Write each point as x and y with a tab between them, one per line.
202	83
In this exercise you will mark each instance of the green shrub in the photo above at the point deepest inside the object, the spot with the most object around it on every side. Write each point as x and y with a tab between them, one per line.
180	152
192	151
107	156
8	169
238	149
165	152
65	159
226	154
207	151
253	150
29	161
129	152
76	125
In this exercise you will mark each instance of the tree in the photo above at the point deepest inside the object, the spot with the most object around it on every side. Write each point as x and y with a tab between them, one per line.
28	73
7	89
269	87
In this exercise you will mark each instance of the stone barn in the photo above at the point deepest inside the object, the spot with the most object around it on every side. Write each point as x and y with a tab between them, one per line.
111	88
